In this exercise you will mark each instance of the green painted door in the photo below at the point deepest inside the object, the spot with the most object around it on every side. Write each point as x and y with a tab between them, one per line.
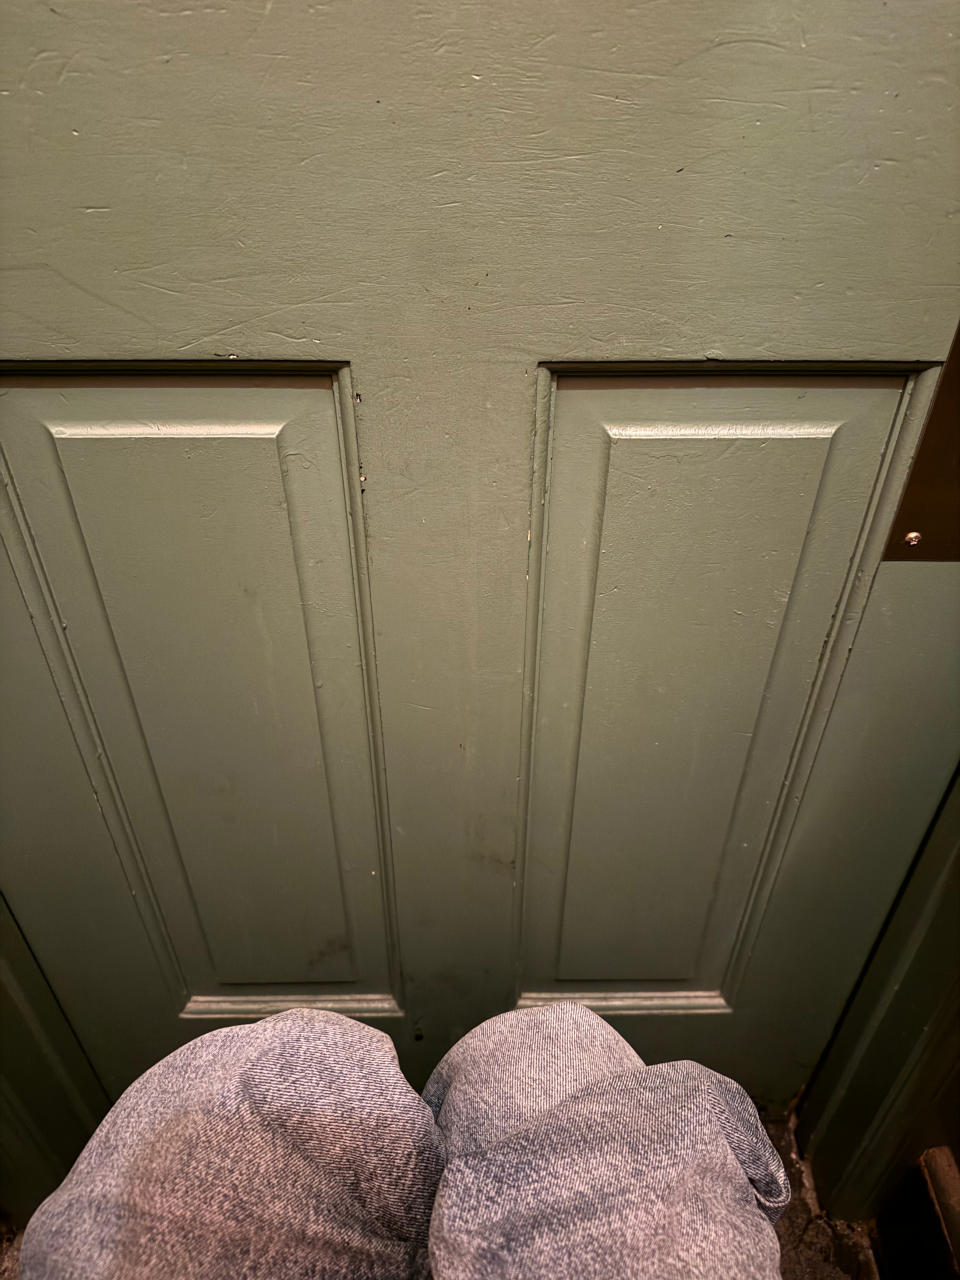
197	816
433	566
184	578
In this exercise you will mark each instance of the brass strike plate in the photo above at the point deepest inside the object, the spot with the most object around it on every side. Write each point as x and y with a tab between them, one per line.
927	525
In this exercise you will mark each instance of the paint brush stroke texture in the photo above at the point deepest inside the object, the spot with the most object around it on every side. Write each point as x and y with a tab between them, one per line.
543	1147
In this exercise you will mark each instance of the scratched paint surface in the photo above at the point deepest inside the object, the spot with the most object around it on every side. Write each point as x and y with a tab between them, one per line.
445	194
278	179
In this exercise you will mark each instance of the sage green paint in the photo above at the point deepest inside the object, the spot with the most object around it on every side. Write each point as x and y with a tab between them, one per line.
186	551
61	874
103	551
889	1087
445	196
698	534
204	604
882	765
50	1100
705	556
437	190
891	746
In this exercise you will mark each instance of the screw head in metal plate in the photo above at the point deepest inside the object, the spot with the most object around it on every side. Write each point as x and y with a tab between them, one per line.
912	538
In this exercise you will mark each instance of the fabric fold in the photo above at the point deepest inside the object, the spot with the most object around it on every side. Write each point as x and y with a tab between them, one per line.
290	1147
542	1147
567	1157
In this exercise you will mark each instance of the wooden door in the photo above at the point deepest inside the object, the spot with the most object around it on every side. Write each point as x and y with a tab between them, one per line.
448	453
188	558
697	825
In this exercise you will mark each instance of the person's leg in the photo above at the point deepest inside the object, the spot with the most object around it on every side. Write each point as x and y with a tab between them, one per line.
567	1157
292	1147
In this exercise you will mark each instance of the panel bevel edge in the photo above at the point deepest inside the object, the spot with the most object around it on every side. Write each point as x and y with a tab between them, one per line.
809	431
250	1008
292	505
898	450
546	390
51	632
583	676
344	407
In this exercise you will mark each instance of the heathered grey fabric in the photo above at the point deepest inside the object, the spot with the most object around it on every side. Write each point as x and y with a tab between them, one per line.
294	1148
288	1148
567	1157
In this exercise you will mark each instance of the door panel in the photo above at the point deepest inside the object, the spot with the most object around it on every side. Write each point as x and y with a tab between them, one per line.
696	549
194	542
699	545
190	543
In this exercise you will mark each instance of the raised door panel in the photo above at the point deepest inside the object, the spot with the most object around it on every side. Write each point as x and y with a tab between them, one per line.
196	544
697	540
196	569
676	669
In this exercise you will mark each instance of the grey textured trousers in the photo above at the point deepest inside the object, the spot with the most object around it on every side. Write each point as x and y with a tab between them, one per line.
294	1148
